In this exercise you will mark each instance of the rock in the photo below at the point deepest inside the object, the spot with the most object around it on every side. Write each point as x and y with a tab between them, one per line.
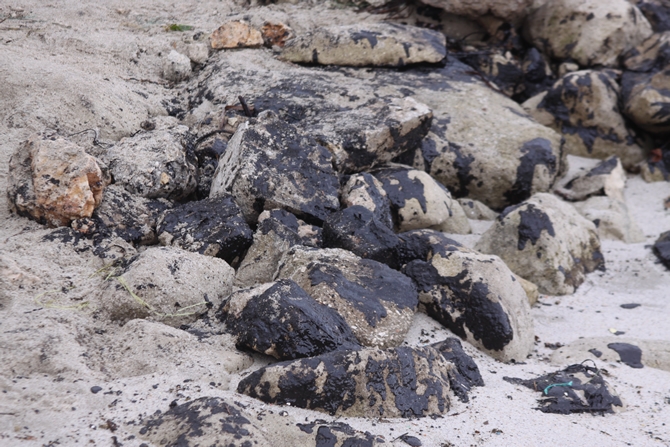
358	230
53	181
652	54
584	107
197	52
212	227
277	231
155	163
365	190
606	178
280	319
176	67
478	298
418	201
646	99
567	67
662	249
377	302
532	292
276	34
657	13
382	44
271	164
509	10
547	242
655	171
611	218
167	284
422	244
466	374
590	32
235	34
397	382
474	209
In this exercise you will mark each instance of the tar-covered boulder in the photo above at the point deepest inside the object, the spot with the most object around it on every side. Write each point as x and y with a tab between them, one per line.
607	178
212	227
662	249
547	242
271	164
53	181
510	10
477	297
397	382
277	231
651	55
583	106
376	301
383	44
280	319
422	244
365	190
646	99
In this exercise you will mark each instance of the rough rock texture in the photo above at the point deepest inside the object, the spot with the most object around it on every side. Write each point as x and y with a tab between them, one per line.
545	241
657	13
365	190
612	218
53	181
280	319
590	32
176	67
376	301
422	244
477	297
474	209
584	107
653	53
271	164
212	227
375	44
418	201
276	33
277	231
235	34
646	99
606	178
397	382
512	10
166	284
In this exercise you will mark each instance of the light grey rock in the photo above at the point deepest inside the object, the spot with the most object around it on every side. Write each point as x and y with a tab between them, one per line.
607	178
547	242
377	302
477	297
513	10
176	67
590	32
474	209
197	52
270	164
367	44
646	99
583	107
567	67
365	190
612	219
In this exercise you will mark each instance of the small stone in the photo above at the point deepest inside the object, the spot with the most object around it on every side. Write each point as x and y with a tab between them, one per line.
197	52
176	67
276	34
236	34
476	210
96	389
606	178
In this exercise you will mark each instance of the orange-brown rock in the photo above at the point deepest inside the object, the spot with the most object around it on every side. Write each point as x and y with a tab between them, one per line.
53	181
236	34
276	33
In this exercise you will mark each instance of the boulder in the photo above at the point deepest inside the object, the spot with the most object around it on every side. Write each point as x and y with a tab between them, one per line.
235	34
270	164
53	181
476	210
382	44
277	231
547	242
611	218
513	10
590	32
280	319
377	302
477	297
583	107
607	178
365	190
657	13
646	99
650	55
176	67
212	227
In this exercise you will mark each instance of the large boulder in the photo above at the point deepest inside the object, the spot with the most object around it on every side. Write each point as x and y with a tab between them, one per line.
547	242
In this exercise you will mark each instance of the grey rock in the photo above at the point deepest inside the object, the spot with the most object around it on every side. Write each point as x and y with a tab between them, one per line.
547	242
277	231
176	67
271	164
377	302
657	13
607	178
367	44
646	99
612	219
474	209
365	190
651	54
280	319
212	227
513	10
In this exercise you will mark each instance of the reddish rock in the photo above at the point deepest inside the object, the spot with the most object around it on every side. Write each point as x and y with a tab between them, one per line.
276	33
236	34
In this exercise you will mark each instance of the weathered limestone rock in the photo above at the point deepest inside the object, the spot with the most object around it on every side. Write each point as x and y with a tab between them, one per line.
377	302
236	34
606	178
270	164
212	227
176	67
646	99
590	32
53	181
474	209
547	242
167	284
584	108
365	190
280	319
611	218
513	10
477	297
377	44
277	231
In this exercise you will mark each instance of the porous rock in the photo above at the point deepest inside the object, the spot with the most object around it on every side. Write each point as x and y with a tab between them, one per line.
280	319
396	382
607	178
612	219
383	44
277	231
53	181
547	242
646	99
583	107
166	284
236	34
271	164
477	297
365	190
212	227
377	302
513	10
590	32
418	201
176	67
474	209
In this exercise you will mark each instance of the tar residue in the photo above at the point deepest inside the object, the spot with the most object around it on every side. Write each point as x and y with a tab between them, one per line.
422	244
531	224
605	167
662	249
339	433
400	188
466	374
629	354
535	152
